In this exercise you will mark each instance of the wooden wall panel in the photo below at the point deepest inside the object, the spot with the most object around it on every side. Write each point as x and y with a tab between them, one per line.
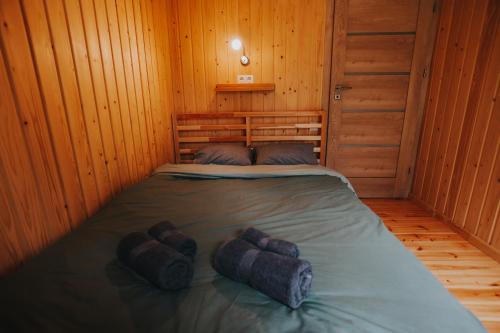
86	105
285	41
54	104
457	173
16	48
160	52
23	228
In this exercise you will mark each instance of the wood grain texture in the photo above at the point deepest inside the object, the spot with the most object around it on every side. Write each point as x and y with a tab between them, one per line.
83	113
367	161
284	40
381	52
336	77
375	92
382	128
249	87
382	15
373	187
28	100
470	275
457	174
289	44
250	128
428	18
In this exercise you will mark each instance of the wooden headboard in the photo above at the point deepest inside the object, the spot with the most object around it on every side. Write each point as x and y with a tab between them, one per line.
194	130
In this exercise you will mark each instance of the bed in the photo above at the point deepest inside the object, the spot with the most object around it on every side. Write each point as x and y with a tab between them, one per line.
364	279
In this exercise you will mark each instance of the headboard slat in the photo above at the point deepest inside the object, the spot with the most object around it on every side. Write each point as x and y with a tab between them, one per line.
306	130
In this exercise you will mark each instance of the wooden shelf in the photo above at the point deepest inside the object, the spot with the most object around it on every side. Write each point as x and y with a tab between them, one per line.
236	87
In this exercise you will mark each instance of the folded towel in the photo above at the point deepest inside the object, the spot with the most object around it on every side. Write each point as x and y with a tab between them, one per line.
264	242
286	279
168	234
156	262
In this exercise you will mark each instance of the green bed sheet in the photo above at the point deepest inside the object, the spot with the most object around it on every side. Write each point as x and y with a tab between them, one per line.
364	279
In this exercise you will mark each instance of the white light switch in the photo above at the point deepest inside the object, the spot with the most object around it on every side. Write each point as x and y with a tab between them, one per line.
245	78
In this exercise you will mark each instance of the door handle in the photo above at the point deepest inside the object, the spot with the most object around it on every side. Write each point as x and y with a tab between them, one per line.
338	91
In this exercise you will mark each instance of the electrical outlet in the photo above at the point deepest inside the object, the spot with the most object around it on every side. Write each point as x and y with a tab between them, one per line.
245	78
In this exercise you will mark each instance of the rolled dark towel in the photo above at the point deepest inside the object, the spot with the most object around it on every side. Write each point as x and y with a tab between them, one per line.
168	234
264	242
156	262
286	279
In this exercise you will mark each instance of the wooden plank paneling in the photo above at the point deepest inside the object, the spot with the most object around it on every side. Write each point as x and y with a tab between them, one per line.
375	92
382	15
379	53
122	87
70	90
284	40
457	166
84	101
439	57
380	58
9	251
109	79
444	113
18	59
189	129
373	187
96	82
100	93
84	77
160	74
23	228
460	121
382	128
360	161
145	84
417	90
54	104
127	12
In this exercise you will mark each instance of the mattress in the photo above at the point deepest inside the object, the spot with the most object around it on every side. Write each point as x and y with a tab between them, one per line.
364	279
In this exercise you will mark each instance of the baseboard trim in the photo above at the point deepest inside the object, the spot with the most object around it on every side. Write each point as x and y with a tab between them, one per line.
476	241
473	239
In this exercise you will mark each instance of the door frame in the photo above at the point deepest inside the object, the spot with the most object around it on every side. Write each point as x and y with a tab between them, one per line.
335	41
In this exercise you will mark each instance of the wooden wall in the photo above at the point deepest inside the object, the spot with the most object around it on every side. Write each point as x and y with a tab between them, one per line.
284	39
85	112
88	88
458	168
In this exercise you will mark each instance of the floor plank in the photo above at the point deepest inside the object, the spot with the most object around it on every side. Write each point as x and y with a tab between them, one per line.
469	274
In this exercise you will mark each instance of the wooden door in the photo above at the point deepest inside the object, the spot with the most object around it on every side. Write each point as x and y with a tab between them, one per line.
380	59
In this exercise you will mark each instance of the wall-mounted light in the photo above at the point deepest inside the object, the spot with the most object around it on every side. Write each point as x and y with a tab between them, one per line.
236	45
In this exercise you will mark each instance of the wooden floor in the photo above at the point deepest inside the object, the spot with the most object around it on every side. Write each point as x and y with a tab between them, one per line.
468	273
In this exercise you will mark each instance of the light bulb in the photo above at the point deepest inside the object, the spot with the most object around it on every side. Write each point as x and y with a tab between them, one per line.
236	44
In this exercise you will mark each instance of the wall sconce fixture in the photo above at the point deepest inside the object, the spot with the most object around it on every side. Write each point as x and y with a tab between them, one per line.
236	45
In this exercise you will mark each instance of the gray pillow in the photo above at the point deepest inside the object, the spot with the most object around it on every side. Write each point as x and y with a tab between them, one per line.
286	154
226	154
